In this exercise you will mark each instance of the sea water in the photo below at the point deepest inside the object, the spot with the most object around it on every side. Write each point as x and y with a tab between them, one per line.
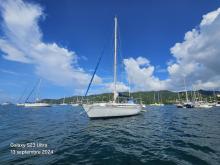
64	135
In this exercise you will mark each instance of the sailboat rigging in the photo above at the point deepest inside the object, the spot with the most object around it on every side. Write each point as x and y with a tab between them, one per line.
36	103
113	108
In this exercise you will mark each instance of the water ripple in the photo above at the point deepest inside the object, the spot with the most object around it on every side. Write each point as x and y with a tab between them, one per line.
161	135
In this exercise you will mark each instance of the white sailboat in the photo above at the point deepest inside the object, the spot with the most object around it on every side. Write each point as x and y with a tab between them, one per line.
178	102
64	101
20	104
76	104
36	103
158	103
201	103
114	108
188	103
216	102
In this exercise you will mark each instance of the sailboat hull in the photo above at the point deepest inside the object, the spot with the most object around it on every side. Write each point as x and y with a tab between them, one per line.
19	104
105	110
75	105
37	105
157	104
203	106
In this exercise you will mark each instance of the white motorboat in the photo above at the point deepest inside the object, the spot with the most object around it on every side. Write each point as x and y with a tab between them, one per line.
114	108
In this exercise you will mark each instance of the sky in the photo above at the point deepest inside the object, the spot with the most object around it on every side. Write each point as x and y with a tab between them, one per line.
161	43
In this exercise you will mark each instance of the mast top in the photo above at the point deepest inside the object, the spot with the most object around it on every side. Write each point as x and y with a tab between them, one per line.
115	60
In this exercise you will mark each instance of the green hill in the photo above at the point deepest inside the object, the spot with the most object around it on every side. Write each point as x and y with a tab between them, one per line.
165	96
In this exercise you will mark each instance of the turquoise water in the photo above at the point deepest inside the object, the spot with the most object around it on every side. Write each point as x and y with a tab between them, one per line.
161	135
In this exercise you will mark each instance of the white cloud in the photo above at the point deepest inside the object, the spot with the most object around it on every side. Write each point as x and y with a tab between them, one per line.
13	53
210	17
22	42
141	61
120	87
140	74
197	57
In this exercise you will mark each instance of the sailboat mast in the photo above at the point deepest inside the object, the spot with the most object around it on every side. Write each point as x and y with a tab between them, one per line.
187	100
178	96
154	97
38	89
115	61
158	97
129	92
64	99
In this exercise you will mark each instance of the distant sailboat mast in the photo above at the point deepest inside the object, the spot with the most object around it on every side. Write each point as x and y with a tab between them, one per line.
36	102
129	89
115	62
194	94
158	97
154	97
64	99
187	100
214	95
34	88
38	90
178	96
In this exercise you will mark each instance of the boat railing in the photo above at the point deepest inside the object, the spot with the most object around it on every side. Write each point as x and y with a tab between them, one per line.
119	100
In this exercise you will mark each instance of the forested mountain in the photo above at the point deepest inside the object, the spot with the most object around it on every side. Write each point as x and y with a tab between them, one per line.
164	96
